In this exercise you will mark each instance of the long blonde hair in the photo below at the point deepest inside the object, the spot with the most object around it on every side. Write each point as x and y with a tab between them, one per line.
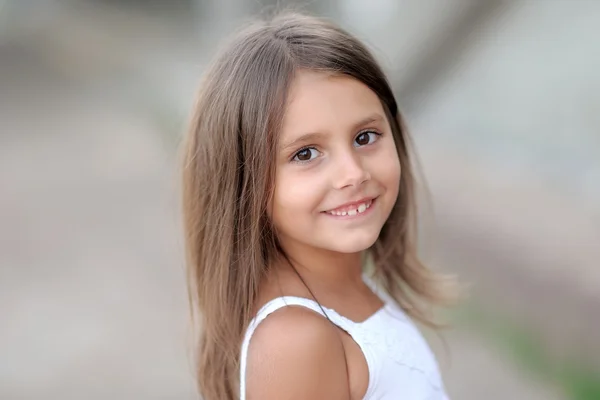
228	175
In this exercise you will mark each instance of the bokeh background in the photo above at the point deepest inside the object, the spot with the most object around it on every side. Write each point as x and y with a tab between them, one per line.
502	99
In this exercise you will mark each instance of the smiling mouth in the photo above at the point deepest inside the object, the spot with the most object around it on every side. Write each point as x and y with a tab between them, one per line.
351	210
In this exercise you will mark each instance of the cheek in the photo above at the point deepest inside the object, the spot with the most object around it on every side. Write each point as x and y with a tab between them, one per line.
386	169
296	196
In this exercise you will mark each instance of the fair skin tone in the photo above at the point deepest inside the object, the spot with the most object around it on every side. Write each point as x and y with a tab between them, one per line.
337	180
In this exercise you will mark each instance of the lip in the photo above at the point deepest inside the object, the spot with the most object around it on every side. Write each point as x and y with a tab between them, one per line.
355	203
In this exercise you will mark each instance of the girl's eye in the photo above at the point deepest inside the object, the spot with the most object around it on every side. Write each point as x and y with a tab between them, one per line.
365	138
306	154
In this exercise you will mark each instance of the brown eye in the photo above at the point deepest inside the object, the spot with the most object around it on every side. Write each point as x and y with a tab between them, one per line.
365	138
306	154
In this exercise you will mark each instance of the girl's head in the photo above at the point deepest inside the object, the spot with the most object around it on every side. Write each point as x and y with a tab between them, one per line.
337	171
295	126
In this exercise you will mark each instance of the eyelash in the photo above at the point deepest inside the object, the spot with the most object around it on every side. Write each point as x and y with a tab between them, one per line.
378	134
368	131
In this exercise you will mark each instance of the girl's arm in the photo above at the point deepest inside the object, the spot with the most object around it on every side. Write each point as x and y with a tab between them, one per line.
296	354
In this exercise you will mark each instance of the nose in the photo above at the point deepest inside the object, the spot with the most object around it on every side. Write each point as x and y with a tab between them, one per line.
350	171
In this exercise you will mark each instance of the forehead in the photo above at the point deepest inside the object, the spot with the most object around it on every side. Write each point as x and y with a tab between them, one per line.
320	101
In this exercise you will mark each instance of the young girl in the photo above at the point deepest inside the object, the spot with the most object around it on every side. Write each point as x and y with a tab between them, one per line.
297	176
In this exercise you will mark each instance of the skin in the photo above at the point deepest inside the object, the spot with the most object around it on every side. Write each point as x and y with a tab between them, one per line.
336	147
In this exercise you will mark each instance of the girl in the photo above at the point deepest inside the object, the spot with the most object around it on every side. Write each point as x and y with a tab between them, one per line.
297	174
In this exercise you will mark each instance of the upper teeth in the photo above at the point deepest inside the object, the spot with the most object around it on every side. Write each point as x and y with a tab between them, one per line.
361	208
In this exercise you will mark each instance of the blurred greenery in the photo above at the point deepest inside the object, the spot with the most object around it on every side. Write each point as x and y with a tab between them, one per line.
579	381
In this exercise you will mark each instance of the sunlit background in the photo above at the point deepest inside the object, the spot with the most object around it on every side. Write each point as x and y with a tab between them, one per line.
502	99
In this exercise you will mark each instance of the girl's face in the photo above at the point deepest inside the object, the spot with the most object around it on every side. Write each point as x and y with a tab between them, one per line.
338	172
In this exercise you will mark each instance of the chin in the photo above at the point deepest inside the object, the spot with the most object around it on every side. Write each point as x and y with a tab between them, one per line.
350	245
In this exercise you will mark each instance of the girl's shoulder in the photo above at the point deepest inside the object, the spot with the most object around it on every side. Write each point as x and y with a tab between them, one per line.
295	350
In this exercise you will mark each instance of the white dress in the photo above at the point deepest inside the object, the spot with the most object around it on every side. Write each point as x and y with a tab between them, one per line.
400	363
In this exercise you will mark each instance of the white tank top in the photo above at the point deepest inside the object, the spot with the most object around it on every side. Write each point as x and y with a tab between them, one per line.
400	363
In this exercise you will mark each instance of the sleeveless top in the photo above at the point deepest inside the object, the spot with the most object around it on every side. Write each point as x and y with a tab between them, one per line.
399	361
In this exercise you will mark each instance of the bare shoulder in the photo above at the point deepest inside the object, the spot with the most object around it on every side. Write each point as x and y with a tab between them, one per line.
296	353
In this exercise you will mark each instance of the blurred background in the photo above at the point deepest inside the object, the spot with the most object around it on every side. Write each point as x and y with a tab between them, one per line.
502	99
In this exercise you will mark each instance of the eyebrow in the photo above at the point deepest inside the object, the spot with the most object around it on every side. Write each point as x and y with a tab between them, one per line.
312	136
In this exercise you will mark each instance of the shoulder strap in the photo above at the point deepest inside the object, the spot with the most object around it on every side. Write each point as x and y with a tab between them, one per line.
273	306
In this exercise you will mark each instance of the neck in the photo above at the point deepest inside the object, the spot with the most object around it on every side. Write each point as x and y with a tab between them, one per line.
327	268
